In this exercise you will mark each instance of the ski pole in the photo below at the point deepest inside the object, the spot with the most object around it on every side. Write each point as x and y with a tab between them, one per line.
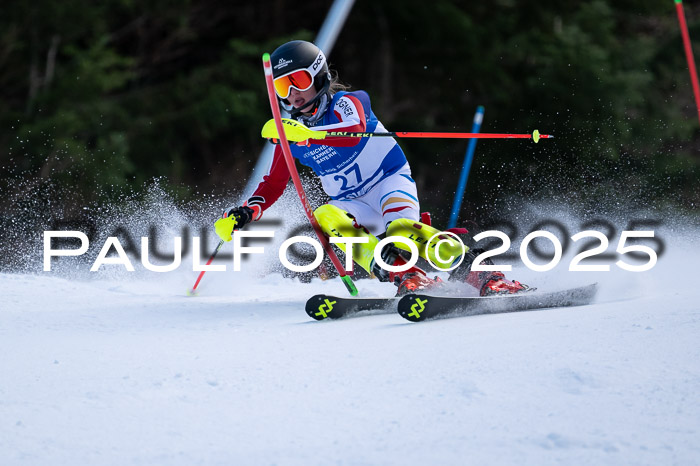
192	292
689	53
464	175
296	132
289	160
535	136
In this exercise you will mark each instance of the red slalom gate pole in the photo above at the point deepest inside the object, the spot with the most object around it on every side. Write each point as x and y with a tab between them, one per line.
689	54
289	159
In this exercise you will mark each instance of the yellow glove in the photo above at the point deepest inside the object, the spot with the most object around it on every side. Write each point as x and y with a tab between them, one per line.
295	131
235	218
224	227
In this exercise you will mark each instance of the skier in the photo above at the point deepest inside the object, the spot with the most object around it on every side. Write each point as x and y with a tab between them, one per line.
368	179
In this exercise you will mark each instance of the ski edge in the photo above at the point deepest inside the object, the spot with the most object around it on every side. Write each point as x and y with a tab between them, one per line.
412	307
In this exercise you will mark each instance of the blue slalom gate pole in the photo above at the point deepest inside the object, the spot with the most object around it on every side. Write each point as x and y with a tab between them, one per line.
462	186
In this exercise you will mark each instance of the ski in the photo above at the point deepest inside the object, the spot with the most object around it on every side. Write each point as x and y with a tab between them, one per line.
323	306
419	307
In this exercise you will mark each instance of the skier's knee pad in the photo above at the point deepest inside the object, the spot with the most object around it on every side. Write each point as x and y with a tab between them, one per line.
335	222
433	245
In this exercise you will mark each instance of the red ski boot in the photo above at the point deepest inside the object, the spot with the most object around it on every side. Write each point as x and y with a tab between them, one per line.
411	280
493	283
408	281
488	283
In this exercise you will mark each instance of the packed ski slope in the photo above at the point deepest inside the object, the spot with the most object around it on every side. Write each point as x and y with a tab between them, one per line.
126	369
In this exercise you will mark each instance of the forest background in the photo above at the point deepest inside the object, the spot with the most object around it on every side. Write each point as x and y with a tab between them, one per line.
99	99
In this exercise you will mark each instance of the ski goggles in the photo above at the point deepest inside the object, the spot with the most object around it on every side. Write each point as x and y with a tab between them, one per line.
299	79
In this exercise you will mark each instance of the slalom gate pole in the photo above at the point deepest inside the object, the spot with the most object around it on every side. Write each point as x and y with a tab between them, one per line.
689	54
466	166
201	274
289	159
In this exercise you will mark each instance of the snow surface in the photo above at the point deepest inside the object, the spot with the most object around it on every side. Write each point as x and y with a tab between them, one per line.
116	368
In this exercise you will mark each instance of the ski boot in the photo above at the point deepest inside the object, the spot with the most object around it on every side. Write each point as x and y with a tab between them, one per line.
487	282
495	283
409	281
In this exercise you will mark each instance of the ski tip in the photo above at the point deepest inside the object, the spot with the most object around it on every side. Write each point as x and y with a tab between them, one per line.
320	306
411	307
266	56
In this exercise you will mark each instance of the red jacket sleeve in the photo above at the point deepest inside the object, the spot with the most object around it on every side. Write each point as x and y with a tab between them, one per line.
272	186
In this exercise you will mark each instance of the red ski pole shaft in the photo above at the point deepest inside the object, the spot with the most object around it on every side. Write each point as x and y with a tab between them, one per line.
689	54
536	136
406	134
289	160
201	274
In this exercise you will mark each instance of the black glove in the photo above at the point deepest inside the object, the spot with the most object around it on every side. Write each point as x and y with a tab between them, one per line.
243	215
